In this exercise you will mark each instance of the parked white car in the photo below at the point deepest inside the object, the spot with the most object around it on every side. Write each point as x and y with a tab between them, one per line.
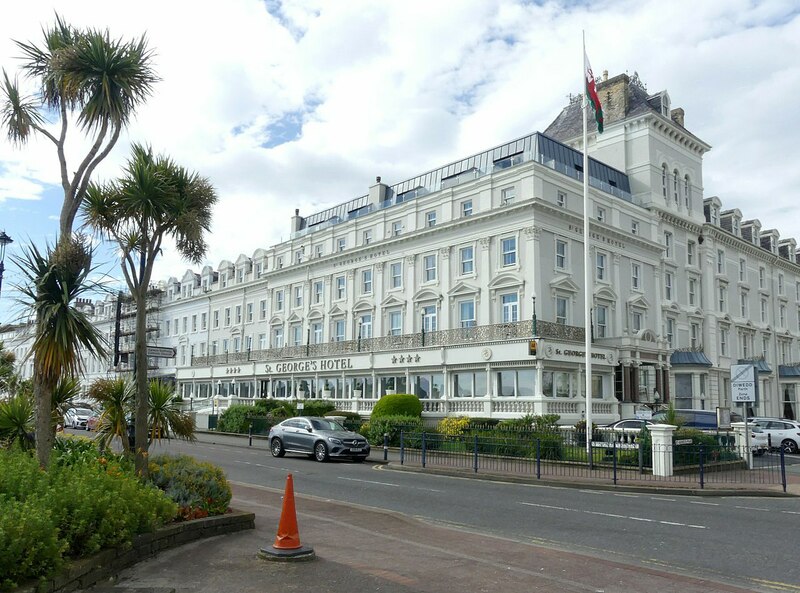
781	433
77	417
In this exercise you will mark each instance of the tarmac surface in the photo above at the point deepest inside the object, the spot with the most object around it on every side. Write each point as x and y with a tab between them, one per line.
360	549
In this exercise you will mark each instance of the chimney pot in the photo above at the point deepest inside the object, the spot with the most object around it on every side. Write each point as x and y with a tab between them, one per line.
378	179
297	211
605	75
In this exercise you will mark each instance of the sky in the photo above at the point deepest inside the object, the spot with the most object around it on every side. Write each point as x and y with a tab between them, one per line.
302	103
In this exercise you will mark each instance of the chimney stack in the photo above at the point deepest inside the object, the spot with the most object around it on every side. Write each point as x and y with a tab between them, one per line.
677	116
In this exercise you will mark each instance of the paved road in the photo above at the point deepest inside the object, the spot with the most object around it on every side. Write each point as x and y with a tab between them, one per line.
733	540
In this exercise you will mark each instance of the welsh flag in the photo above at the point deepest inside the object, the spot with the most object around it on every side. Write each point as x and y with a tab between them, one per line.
591	93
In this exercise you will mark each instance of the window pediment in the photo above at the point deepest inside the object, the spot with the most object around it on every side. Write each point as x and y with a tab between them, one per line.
605	293
392	301
507	280
426	295
363	305
564	283
638	300
294	318
315	313
335	311
463	289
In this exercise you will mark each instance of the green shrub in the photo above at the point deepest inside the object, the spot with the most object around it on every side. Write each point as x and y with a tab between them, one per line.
453	426
398	404
29	542
235	419
85	502
375	428
317	407
100	505
200	489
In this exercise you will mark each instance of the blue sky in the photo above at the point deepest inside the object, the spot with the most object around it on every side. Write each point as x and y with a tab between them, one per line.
300	104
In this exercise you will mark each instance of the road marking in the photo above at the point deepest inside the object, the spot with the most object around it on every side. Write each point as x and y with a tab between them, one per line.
612	515
388	484
627	495
791	512
592	492
752	509
666	499
777	585
708	504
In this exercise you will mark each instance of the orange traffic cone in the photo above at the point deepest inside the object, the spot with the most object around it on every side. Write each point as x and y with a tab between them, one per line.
288	537
287	541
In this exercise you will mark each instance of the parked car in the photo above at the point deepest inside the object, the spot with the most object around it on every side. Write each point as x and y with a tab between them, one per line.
702	419
77	417
624	431
759	442
93	421
781	432
321	438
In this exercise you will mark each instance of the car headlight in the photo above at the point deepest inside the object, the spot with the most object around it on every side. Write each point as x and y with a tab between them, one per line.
335	441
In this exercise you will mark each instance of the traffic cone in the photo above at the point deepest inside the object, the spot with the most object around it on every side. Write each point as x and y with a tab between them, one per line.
288	537
287	541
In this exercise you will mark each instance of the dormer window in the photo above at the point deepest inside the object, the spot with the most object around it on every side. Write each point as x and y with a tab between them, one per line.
715	216
735	227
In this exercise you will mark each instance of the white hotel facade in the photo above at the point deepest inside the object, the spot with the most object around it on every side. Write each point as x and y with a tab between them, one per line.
431	285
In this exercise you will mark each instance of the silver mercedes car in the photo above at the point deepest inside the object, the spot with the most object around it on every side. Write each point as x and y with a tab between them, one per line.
321	438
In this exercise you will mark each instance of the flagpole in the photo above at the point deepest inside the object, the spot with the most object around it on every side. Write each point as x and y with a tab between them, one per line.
587	270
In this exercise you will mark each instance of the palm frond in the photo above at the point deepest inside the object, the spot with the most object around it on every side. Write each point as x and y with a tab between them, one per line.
20	114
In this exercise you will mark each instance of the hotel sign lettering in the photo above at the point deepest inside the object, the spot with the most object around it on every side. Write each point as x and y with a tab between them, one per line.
311	366
579	354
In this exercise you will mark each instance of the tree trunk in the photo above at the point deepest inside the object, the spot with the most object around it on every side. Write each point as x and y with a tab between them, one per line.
142	387
42	393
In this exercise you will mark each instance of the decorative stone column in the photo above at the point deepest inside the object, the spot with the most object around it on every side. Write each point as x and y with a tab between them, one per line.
661	437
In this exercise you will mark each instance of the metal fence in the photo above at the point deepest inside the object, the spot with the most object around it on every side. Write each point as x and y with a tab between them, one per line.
554	455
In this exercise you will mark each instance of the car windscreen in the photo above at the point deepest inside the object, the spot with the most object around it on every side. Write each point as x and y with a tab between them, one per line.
325	424
82	411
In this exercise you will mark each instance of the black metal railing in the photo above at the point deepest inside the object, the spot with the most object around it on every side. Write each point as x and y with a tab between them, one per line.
518	330
565	454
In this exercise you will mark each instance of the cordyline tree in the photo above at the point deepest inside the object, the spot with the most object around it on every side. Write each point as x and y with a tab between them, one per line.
86	78
155	199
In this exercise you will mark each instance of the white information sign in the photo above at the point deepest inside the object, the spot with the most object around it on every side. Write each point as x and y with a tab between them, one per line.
743	383
645	414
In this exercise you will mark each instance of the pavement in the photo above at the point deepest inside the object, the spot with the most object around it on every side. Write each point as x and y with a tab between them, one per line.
366	549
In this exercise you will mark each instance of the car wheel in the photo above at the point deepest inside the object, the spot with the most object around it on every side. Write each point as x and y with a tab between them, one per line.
276	448
321	451
789	446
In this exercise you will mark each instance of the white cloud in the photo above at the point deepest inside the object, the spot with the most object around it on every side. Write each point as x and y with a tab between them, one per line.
397	88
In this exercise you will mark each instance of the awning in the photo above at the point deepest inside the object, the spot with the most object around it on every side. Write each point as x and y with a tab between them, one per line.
689	358
760	364
784	370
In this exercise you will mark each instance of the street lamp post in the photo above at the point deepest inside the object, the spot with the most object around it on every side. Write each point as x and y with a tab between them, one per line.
533	320
359	336
4	240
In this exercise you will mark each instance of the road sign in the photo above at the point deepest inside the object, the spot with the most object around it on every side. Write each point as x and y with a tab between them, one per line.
160	352
644	414
743	383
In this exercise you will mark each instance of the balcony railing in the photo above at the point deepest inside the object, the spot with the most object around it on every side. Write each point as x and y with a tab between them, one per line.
500	332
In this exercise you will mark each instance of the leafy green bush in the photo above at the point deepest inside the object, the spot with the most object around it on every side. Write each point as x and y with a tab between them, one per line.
85	502
317	407
453	426
235	419
375	428
98	505
29	542
398	404
200	489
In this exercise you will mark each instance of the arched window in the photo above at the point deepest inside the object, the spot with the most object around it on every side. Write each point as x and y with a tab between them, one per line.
664	180
675	190
687	192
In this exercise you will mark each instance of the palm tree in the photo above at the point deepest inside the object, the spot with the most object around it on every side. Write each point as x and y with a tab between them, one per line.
16	421
166	416
53	281
116	396
85	75
154	200
65	393
7	374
